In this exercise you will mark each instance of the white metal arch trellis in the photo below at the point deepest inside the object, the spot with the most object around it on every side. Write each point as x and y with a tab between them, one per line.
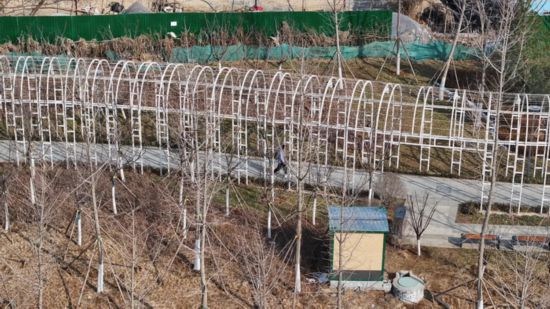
247	114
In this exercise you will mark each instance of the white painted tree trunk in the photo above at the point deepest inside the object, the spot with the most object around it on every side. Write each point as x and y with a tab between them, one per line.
197	265
100	273
182	209
297	281
314	215
113	194
121	172
227	201
418	250
269	223
33	175
79	228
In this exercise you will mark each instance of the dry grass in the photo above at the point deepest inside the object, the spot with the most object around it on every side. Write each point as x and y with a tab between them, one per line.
163	264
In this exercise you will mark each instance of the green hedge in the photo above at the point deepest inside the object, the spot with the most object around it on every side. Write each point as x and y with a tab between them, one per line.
49	28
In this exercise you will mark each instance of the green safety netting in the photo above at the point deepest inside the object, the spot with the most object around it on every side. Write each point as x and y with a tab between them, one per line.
417	52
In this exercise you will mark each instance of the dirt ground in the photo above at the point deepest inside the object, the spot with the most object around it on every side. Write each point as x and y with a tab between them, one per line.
149	263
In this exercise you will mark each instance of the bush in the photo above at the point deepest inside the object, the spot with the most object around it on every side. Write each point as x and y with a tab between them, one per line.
468	208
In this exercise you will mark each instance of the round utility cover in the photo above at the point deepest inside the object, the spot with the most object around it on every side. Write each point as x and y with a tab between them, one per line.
408	282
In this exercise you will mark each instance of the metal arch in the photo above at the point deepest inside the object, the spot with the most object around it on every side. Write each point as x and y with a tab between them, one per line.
426	127
18	106
311	92
223	81
520	157
6	84
72	98
265	102
456	132
487	151
355	127
280	85
394	141
379	149
203	79
325	119
367	129
545	110
51	70
101	73
125	70
135	106
541	117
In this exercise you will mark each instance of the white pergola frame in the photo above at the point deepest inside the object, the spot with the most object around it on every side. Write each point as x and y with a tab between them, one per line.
352	123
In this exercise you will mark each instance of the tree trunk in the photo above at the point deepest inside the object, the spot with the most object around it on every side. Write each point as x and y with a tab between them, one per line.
100	270
398	40
113	194
451	54
78	218
269	223
98	235
494	170
6	213
197	264
182	208
227	201
204	283
37	7
297	281
418	249
314	214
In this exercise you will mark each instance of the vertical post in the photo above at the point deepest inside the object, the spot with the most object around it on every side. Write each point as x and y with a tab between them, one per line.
398	40
337	32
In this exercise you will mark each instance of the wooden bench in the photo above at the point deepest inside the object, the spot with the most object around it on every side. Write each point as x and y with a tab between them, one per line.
489	239
530	240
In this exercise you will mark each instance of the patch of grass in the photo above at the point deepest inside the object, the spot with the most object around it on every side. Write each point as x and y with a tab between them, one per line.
469	213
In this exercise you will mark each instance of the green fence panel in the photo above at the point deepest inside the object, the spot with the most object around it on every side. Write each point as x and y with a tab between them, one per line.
102	27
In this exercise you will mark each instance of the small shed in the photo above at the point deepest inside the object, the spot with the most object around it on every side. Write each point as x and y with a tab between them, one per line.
358	245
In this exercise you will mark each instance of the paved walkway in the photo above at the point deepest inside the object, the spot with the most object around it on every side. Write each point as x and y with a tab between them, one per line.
447	192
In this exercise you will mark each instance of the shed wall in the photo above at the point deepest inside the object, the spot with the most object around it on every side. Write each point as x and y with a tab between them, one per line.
360	251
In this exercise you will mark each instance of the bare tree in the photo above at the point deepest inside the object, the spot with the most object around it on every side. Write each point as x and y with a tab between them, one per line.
260	263
452	52
518	277
510	33
420	216
5	180
390	189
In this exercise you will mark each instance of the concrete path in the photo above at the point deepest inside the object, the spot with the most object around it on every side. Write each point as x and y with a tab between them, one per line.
448	193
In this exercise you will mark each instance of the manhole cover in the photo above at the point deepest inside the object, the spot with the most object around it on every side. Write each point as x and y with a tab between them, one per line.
408	282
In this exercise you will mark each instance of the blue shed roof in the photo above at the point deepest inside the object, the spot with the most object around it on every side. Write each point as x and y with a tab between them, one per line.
358	219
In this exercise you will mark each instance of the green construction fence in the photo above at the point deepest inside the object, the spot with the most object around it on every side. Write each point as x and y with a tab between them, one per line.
104	27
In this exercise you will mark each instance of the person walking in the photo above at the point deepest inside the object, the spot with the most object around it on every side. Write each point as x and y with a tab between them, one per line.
281	161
